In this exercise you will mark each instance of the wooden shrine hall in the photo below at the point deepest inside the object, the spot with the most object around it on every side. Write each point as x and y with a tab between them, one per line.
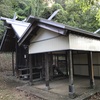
14	30
58	50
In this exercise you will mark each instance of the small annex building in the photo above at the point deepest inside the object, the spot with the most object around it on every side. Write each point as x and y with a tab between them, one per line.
14	30
58	50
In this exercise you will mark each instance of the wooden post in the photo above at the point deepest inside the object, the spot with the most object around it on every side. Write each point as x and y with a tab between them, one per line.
17	65
91	70
66	64
13	68
47	71
30	69
71	83
51	66
73	62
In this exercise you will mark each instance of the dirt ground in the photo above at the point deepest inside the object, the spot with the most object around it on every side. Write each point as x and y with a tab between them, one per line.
8	90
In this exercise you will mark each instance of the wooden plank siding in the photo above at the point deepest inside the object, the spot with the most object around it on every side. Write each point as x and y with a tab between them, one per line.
46	41
81	64
80	42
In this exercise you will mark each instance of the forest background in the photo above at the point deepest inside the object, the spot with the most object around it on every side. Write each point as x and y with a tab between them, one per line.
84	14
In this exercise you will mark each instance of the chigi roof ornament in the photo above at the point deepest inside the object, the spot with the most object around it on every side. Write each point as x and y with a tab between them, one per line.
96	31
15	16
54	14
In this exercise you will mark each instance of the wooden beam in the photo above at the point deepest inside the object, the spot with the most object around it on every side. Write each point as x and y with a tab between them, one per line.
47	71
91	70
71	81
52	28
30	69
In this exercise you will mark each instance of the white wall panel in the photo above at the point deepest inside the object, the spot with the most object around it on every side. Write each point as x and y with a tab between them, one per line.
78	42
46	41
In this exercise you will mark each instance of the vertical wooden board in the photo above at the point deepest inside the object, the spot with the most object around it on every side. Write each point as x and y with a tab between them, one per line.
98	54
76	59
81	70
80	59
99	71
96	70
77	70
83	59
30	68
84	70
80	64
95	58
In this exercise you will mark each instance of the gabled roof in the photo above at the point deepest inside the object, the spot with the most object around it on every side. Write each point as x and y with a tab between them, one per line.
37	23
14	30
8	41
18	26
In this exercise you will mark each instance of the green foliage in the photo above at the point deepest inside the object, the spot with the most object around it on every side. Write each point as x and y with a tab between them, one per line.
1	30
73	14
48	10
6	8
80	14
37	7
83	14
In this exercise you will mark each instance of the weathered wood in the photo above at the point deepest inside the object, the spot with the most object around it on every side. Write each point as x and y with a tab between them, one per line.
43	66
73	62
91	70
51	65
30	70
51	28
66	57
71	81
27	56
13	67
47	71
16	67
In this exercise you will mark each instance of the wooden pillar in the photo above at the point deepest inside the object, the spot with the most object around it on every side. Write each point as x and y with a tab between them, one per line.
66	64
30	69
71	81
17	65
73	62
13	68
47	71
51	66
91	70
